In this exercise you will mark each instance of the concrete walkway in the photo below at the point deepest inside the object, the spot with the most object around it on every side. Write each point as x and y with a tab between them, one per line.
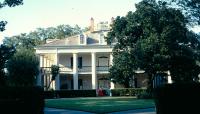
63	111
137	111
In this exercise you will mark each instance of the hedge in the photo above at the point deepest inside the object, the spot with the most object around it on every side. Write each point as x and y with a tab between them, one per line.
138	92
21	100
69	93
182	98
127	91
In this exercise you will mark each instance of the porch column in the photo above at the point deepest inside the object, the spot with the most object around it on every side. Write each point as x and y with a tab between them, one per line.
75	71
112	85
57	79
39	77
48	65
44	61
169	79
41	61
94	75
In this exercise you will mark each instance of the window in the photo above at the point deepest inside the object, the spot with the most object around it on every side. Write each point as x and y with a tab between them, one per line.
81	39
79	62
80	84
101	40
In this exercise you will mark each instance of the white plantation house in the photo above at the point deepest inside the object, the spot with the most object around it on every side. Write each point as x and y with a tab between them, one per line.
84	61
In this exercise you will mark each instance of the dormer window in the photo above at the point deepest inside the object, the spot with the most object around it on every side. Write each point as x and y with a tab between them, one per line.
101	38
81	39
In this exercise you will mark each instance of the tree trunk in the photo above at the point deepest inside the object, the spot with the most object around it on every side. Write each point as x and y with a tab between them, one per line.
49	84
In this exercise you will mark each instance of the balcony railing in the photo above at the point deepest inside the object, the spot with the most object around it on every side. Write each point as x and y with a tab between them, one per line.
80	69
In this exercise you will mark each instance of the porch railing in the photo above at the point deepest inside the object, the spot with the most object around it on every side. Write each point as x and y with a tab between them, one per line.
80	69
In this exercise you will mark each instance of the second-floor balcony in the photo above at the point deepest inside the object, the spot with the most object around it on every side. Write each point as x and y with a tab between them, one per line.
83	69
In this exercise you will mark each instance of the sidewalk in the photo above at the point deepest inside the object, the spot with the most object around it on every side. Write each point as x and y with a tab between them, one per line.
137	111
63	111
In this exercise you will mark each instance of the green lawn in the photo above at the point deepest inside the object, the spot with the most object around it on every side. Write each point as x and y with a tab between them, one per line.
100	104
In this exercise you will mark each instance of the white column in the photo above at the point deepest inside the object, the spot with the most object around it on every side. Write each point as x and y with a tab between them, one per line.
44	62
57	79
41	61
94	75
169	78
39	77
48	65
75	71
112	85
111	59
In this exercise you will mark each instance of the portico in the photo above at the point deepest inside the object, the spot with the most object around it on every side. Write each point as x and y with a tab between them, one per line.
75	64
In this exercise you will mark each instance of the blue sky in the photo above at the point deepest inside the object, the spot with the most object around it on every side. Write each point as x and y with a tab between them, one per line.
50	13
47	13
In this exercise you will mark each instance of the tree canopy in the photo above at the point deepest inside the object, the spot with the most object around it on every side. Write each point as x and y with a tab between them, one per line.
23	68
190	8
40	35
6	51
154	38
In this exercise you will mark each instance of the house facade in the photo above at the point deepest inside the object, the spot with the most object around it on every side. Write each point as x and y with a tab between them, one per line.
84	61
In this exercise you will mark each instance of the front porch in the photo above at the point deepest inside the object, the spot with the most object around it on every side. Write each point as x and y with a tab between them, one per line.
66	82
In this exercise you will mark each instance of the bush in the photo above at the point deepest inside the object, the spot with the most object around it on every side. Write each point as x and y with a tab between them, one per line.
181	98
49	94
75	93
144	95
21	100
127	91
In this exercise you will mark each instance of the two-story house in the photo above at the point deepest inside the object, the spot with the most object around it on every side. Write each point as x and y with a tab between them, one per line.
84	61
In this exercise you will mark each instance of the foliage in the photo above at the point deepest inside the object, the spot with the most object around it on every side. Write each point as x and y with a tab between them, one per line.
22	100
54	71
40	35
75	93
23	68
154	38
177	98
190	8
127	91
10	3
5	53
123	67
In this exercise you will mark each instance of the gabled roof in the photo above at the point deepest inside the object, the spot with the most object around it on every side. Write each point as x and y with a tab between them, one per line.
92	39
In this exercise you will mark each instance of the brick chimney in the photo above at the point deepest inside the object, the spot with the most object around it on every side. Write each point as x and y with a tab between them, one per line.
91	25
112	20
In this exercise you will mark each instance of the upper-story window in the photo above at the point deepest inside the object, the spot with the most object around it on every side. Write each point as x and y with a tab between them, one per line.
82	39
101	39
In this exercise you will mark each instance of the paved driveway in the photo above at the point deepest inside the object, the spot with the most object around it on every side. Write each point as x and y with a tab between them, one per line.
62	111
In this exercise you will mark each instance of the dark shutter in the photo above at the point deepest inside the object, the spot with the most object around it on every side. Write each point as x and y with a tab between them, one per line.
71	62
80	62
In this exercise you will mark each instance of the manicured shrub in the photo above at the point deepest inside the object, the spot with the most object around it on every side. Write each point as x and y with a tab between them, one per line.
49	94
182	98
75	93
144	95
127	91
21	100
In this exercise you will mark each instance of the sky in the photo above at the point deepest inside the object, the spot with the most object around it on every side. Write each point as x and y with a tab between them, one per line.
51	13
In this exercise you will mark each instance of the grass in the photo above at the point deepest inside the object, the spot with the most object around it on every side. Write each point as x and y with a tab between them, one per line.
100	104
